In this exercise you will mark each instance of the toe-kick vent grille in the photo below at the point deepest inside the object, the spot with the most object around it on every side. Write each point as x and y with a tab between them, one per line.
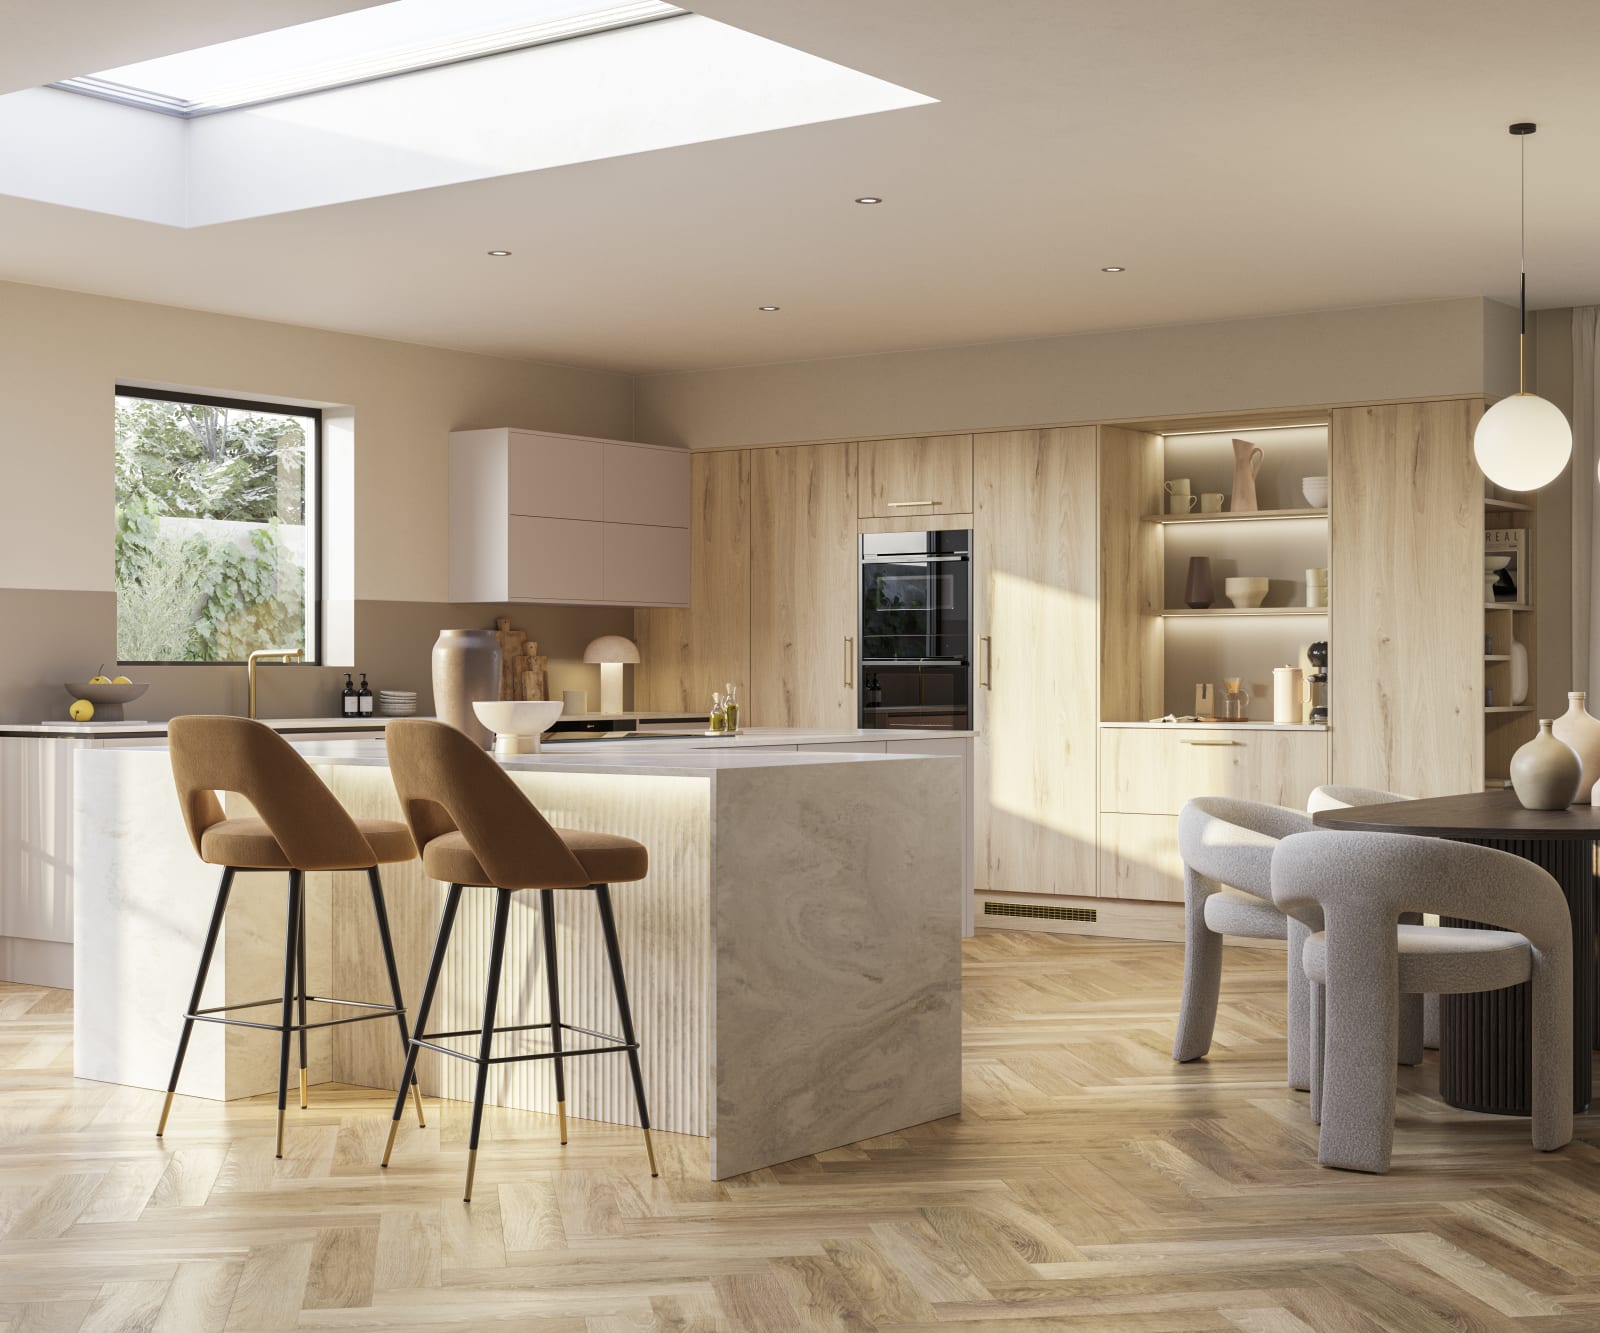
1039	912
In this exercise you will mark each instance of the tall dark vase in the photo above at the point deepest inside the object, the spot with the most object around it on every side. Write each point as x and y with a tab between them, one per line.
1199	593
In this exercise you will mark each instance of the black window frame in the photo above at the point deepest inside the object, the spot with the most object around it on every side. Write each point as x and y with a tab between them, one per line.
314	485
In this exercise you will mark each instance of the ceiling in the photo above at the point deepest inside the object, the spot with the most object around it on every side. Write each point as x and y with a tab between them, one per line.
1239	157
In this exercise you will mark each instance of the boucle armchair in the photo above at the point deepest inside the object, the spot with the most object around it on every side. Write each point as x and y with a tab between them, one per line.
1358	885
1227	848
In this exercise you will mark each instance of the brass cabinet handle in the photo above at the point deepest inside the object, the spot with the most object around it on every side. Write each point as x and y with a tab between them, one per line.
986	644
908	504
849	662
1224	744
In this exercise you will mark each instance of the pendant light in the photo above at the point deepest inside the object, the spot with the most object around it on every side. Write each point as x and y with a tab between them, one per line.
1523	442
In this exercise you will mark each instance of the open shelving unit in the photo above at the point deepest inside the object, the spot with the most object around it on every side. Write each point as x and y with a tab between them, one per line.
1506	725
1279	541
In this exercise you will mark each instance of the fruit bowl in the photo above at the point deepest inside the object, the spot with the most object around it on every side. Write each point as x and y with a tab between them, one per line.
517	723
107	698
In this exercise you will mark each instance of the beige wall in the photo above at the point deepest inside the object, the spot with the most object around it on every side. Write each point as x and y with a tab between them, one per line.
62	353
1342	356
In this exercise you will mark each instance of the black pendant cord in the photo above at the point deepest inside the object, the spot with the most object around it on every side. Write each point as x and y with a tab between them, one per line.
1522	129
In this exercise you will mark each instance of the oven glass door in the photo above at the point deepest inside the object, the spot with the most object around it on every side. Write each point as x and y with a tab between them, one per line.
916	609
930	697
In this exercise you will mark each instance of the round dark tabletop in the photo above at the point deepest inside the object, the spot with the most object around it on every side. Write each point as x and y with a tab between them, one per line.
1480	815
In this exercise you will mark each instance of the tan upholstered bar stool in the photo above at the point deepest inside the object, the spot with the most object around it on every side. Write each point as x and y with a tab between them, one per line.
477	829
300	826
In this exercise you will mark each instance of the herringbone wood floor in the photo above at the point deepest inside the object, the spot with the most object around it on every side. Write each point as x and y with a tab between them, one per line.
1088	1184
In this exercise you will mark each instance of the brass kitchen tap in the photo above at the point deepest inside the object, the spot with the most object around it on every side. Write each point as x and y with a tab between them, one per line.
268	655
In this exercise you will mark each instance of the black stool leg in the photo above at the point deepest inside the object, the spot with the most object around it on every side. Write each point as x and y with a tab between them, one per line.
497	949
291	940
547	921
608	924
302	990
206	951
447	921
375	881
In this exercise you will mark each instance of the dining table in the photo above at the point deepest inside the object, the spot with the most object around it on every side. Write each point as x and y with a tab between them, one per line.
1485	1039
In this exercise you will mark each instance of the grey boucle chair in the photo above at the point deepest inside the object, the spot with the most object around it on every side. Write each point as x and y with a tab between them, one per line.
1227	848
1358	885
1337	796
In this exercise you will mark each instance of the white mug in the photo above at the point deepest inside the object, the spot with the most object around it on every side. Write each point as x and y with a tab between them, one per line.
1177	486
1180	502
1210	502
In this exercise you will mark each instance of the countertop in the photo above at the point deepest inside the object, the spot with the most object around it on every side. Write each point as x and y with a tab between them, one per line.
678	756
1222	726
134	730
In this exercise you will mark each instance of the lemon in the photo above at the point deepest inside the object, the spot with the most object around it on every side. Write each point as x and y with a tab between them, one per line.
121	680
82	710
99	680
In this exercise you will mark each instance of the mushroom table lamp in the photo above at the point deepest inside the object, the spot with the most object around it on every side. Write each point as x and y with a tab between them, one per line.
611	651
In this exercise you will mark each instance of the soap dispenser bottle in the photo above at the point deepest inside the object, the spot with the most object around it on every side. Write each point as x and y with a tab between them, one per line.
364	697
347	700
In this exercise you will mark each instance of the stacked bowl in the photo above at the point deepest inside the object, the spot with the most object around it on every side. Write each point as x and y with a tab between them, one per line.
397	703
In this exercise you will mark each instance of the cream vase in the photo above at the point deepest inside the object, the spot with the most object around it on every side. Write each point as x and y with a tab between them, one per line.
1545	772
1577	728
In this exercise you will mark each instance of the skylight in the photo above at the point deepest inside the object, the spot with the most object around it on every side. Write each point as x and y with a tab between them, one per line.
350	48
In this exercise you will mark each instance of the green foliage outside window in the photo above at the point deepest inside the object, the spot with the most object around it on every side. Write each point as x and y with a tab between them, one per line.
226	581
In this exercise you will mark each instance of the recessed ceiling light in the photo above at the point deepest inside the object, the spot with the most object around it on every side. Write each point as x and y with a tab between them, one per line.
1113	268
768	307
499	254
869	199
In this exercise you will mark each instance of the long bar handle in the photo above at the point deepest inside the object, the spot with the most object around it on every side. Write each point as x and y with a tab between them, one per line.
909	504
849	663
986	650
1224	744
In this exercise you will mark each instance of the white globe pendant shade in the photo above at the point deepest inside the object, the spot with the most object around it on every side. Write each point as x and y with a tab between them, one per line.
1523	442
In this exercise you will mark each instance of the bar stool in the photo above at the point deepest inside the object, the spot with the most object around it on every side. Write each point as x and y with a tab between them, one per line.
300	827
477	829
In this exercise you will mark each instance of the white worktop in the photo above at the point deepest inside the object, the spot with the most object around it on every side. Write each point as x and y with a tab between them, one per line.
1223	726
134	730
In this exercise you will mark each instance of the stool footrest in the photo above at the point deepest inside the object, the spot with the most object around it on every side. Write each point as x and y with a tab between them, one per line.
430	1041
372	1009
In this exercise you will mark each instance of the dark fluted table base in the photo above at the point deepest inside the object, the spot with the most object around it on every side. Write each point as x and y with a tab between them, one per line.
1485	1040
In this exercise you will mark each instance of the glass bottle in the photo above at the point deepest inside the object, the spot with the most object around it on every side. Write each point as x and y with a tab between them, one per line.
719	715
730	706
1235	700
347	700
364	697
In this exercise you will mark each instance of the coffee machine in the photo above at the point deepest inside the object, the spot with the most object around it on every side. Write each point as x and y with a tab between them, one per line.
1317	681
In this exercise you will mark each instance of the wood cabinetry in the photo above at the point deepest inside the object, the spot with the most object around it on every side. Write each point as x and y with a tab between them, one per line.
916	477
803	572
1154	770
538	517
1406	669
1035	556
686	654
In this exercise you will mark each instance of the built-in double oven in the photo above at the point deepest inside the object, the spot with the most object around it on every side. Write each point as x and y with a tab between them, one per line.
916	629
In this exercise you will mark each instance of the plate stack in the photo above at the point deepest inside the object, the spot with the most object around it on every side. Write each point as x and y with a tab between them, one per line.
397	703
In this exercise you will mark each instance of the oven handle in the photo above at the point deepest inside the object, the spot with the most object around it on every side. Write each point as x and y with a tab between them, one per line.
914	661
916	559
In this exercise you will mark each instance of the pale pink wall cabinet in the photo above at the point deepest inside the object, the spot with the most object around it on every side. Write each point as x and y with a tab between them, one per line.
539	517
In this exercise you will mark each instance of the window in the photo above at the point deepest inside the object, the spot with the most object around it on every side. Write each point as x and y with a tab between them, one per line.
216	541
355	47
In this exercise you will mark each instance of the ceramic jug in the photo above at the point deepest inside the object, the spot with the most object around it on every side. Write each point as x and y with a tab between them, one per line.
1545	772
466	670
1577	728
1246	463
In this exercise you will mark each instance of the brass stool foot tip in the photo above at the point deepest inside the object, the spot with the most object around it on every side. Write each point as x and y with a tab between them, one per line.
650	1148
394	1128
472	1170
416	1095
304	1102
166	1110
561	1110
280	1134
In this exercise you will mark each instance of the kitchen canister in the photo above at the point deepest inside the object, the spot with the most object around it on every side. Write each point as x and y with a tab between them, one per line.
1546	773
574	702
466	670
1288	695
1577	728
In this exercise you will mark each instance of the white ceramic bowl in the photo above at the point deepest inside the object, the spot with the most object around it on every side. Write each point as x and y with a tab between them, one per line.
1493	564
517	723
1315	489
1246	592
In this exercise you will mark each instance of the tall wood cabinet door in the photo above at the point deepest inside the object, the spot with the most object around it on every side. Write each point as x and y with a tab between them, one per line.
684	655
1035	550
804	566
1406	573
919	477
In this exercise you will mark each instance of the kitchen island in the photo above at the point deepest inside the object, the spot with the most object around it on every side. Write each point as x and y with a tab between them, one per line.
794	954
